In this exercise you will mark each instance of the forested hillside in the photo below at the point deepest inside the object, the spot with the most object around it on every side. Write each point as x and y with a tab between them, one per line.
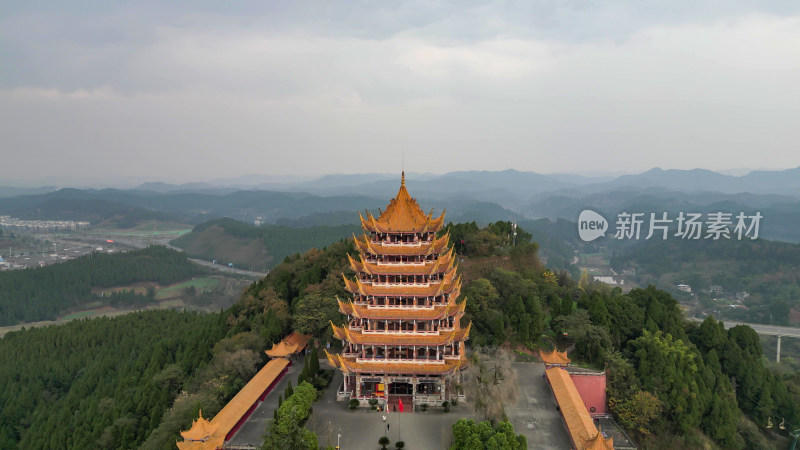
768	271
672	383
44	293
108	383
101	383
257	248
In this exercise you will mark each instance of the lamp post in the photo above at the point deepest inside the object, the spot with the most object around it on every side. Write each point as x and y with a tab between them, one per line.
338	437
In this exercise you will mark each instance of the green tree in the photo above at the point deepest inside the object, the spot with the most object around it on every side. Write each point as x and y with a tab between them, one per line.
673	371
638	412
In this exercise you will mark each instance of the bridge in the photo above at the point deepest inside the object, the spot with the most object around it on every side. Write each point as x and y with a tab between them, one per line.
764	330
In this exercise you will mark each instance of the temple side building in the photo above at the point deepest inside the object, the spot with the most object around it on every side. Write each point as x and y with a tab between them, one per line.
403	339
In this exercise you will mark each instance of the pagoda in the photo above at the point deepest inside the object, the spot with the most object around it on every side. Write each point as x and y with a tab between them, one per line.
403	343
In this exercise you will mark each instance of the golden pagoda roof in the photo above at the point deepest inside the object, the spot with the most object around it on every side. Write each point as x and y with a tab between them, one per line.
201	429
581	428
554	357
365	245
451	283
441	264
350	365
402	215
290	345
444	338
598	442
452	308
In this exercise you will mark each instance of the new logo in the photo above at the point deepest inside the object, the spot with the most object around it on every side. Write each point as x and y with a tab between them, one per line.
591	225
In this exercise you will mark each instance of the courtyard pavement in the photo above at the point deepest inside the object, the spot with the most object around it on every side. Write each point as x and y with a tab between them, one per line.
361	428
534	415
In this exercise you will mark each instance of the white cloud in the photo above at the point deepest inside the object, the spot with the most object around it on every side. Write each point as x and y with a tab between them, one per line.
196	102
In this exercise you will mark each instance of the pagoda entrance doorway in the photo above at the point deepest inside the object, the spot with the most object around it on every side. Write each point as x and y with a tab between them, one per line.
401	389
400	392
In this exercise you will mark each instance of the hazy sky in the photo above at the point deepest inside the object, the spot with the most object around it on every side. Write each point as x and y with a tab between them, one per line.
182	91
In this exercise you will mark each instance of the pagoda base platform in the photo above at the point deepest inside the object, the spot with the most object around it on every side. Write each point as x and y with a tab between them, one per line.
389	390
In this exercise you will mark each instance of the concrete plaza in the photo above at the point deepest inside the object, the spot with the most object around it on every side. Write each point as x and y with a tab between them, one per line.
534	415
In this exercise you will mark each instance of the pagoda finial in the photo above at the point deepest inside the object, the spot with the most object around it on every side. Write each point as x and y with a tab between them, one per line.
403	178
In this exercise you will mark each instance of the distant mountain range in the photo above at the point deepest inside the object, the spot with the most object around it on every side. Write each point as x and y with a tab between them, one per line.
483	196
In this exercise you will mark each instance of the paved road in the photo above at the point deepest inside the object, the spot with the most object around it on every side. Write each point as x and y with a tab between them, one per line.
535	414
767	330
224	268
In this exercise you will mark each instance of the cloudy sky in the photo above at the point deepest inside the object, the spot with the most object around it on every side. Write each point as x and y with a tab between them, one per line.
99	92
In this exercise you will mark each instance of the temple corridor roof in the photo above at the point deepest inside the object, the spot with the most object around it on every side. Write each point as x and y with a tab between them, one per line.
554	357
290	345
212	433
581	428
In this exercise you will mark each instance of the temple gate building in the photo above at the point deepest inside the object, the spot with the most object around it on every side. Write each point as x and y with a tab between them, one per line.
403	339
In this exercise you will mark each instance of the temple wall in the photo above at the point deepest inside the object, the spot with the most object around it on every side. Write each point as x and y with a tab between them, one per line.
592	388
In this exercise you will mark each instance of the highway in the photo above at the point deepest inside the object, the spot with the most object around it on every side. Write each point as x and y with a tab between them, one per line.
766	330
224	268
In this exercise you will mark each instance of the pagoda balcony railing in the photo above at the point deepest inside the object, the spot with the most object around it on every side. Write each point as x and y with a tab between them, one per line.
401	244
428	399
368	305
404	307
400	360
378	283
401	332
398	263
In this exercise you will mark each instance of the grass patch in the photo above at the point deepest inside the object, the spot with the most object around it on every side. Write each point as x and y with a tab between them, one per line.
172	303
87	313
176	290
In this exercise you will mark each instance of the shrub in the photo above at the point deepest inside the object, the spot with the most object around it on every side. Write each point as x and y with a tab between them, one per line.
446	406
399	444
354	403
384	441
424	407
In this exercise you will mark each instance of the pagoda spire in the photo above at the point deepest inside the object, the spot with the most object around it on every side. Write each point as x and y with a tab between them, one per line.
403	179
